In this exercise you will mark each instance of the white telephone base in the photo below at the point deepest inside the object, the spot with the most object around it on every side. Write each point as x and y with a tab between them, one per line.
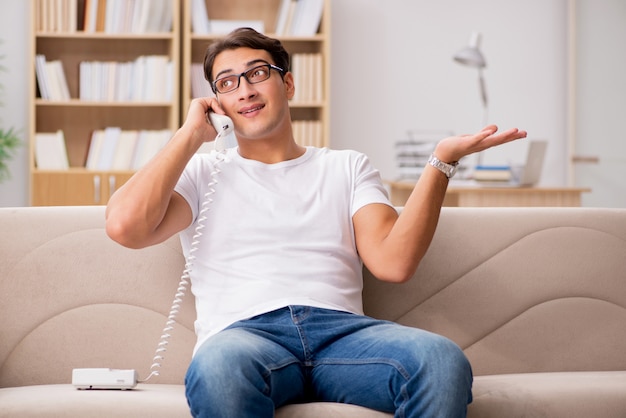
102	378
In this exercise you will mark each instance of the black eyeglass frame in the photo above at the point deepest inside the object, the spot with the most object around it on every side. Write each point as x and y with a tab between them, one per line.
244	75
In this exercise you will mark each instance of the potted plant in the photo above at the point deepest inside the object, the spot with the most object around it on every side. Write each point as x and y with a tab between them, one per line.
9	141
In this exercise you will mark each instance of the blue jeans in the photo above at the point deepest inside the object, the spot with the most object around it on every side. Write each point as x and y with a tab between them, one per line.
301	354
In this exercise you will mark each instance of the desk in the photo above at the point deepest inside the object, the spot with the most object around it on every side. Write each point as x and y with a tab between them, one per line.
472	195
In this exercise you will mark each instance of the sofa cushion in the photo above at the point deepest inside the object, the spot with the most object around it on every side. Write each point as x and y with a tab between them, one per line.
554	395
145	401
327	410
60	401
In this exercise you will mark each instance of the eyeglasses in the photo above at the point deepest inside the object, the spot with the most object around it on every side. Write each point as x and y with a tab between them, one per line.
254	75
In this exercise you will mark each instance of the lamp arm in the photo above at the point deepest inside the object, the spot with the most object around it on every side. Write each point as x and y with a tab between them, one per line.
483	87
483	95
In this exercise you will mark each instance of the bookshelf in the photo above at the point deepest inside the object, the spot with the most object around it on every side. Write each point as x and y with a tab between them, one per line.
119	33
309	50
85	41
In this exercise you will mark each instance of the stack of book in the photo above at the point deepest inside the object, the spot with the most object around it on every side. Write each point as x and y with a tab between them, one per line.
412	153
108	16
308	132
50	151
411	157
201	24
51	79
115	149
59	16
200	87
299	17
492	173
307	69
148	78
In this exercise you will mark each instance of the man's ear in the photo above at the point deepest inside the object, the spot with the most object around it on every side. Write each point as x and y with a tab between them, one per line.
290	88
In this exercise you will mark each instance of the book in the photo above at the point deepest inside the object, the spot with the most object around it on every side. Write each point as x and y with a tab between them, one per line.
57	16
492	173
90	16
95	145
51	79
288	24
106	154
59	77
148	145
283	16
199	17
112	148
155	78
308	132
125	150
159	16
42	79
412	152
167	16
101	15
84	81
307	18
200	87
147	78
307	71
110	16
50	151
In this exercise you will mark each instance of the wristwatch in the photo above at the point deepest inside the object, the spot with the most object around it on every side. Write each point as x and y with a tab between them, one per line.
448	169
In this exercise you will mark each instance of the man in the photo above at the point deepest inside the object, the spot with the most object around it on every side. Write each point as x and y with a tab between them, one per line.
277	265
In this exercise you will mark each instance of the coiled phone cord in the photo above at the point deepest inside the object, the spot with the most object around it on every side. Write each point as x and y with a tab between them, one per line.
219	153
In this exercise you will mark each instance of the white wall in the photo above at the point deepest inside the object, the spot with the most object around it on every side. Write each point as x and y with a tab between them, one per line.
14	48
600	100
392	70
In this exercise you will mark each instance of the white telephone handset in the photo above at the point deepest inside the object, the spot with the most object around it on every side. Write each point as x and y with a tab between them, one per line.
223	125
104	378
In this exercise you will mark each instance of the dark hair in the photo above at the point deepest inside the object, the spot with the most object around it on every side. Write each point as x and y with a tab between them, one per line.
245	38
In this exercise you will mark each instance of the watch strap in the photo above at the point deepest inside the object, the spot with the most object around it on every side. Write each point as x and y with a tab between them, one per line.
449	169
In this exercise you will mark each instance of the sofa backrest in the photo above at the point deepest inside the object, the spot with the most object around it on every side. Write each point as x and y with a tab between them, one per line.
73	298
519	289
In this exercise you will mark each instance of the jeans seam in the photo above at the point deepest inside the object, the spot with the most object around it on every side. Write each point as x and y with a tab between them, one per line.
356	362
306	351
270	369
400	409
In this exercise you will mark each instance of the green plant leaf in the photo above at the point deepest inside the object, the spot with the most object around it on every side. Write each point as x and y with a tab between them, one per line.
9	141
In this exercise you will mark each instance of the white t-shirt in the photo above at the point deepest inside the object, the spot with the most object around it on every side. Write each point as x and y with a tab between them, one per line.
276	234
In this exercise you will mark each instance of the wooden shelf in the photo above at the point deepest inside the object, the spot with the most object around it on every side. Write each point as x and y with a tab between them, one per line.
105	36
78	119
86	103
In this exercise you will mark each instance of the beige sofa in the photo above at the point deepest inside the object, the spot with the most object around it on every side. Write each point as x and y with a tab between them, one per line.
535	297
